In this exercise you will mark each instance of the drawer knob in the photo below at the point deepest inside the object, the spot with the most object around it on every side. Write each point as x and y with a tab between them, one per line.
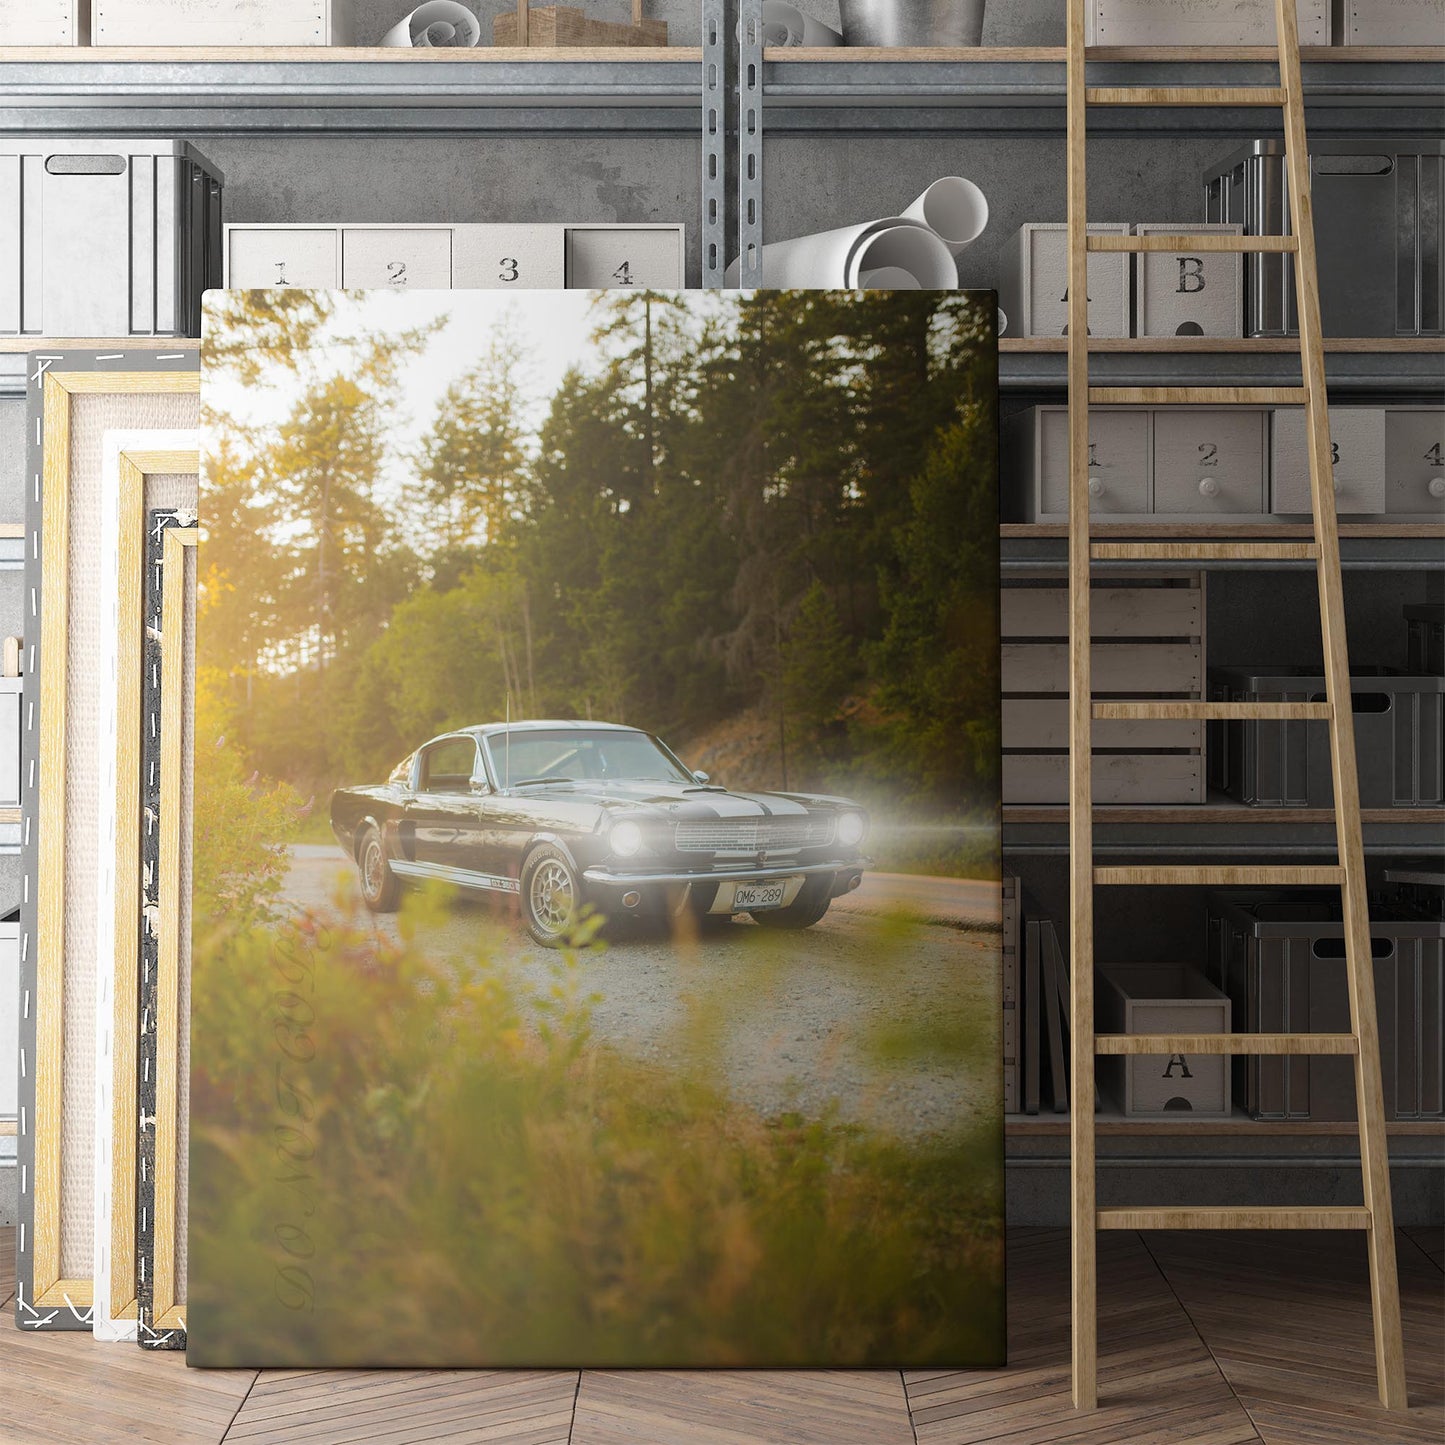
1436	486
1096	486
1208	487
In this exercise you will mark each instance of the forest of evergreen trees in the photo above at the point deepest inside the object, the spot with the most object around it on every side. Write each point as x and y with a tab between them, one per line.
782	506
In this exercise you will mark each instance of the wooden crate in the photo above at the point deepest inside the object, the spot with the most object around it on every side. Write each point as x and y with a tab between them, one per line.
1148	635
1389	22
554	26
1200	22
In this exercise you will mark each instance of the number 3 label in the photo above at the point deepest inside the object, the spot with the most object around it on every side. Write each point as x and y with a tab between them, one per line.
509	271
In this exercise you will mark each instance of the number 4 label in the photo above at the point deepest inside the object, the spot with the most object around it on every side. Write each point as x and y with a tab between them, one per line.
623	274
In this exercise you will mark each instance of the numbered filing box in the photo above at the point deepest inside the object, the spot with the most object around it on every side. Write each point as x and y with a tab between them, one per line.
1208	461
106	237
1189	293
1118	462
1415	460
1033	285
1357	447
464	257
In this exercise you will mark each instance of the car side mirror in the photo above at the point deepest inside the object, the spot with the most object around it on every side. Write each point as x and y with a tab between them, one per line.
480	785
701	776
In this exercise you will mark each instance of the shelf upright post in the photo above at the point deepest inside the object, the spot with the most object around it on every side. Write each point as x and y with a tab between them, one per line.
750	143
714	142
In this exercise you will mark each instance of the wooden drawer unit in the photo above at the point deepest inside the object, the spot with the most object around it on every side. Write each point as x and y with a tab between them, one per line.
509	258
1208	462
1148	642
612	256
1415	460
402	258
1357	440
1118	462
258	256
1189	293
1033	285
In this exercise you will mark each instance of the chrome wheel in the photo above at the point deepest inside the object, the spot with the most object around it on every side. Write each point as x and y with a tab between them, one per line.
549	897
373	869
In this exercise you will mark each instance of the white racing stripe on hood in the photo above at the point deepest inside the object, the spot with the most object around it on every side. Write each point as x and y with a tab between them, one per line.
748	805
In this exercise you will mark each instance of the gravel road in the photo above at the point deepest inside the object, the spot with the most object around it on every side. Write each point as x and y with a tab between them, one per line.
791	1014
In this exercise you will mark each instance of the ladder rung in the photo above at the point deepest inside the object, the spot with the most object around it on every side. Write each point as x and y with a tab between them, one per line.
1198	395
1224	1217
1227	876
1212	711
1187	241
1266	1044
1205	551
1185	95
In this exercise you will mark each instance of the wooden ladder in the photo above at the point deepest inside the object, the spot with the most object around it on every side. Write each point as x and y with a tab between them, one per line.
1376	1217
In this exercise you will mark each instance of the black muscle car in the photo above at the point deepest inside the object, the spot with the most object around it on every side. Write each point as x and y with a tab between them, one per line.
565	814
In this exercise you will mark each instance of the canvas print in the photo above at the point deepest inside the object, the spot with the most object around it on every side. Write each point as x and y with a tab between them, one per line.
596	912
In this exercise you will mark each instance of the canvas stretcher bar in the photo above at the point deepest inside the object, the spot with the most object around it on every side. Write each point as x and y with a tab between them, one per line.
75	398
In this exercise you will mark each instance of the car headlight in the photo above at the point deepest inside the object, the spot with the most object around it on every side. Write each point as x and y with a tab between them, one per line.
851	828
625	838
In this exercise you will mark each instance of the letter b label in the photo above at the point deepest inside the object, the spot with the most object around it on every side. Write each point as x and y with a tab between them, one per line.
1191	275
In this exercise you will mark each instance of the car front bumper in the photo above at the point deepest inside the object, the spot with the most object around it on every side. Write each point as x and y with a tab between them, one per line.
716	890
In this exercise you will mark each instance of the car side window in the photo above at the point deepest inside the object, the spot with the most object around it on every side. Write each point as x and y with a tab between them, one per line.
448	766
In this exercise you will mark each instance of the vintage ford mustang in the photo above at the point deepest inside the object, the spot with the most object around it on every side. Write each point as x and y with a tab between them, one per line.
566	814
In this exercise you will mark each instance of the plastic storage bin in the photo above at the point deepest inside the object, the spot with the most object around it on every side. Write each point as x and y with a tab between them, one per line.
1399	739
106	237
1280	958
1377	206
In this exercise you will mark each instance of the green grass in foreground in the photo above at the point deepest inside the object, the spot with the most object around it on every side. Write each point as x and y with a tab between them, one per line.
393	1167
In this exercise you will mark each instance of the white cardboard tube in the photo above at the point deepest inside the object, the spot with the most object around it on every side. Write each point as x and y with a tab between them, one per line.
786	25
1002	321
836	260
954	208
437	25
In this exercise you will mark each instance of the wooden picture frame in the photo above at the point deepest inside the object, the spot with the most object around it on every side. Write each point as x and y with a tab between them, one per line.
74	399
142	470
163	930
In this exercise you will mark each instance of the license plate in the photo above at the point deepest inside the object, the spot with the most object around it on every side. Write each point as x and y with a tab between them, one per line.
747	897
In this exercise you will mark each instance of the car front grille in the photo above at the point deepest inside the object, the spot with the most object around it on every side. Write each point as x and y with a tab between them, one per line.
753	835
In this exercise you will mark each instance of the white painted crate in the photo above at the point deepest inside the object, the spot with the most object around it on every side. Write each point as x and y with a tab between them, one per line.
221	22
1357	443
102	237
1389	22
1200	22
1188	293
43	22
1415	460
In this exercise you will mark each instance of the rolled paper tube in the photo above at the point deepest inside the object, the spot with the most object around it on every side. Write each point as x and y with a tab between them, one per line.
437	25
888	278
1002	321
954	208
836	260
786	25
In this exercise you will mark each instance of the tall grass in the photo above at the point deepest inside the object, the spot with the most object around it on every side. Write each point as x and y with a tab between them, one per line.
396	1162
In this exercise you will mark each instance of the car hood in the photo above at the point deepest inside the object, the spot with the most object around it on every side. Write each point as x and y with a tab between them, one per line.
689	800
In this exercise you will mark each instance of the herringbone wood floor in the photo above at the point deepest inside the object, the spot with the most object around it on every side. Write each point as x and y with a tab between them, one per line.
1204	1340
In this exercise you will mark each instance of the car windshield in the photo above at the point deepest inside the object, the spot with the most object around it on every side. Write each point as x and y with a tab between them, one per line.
577	754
